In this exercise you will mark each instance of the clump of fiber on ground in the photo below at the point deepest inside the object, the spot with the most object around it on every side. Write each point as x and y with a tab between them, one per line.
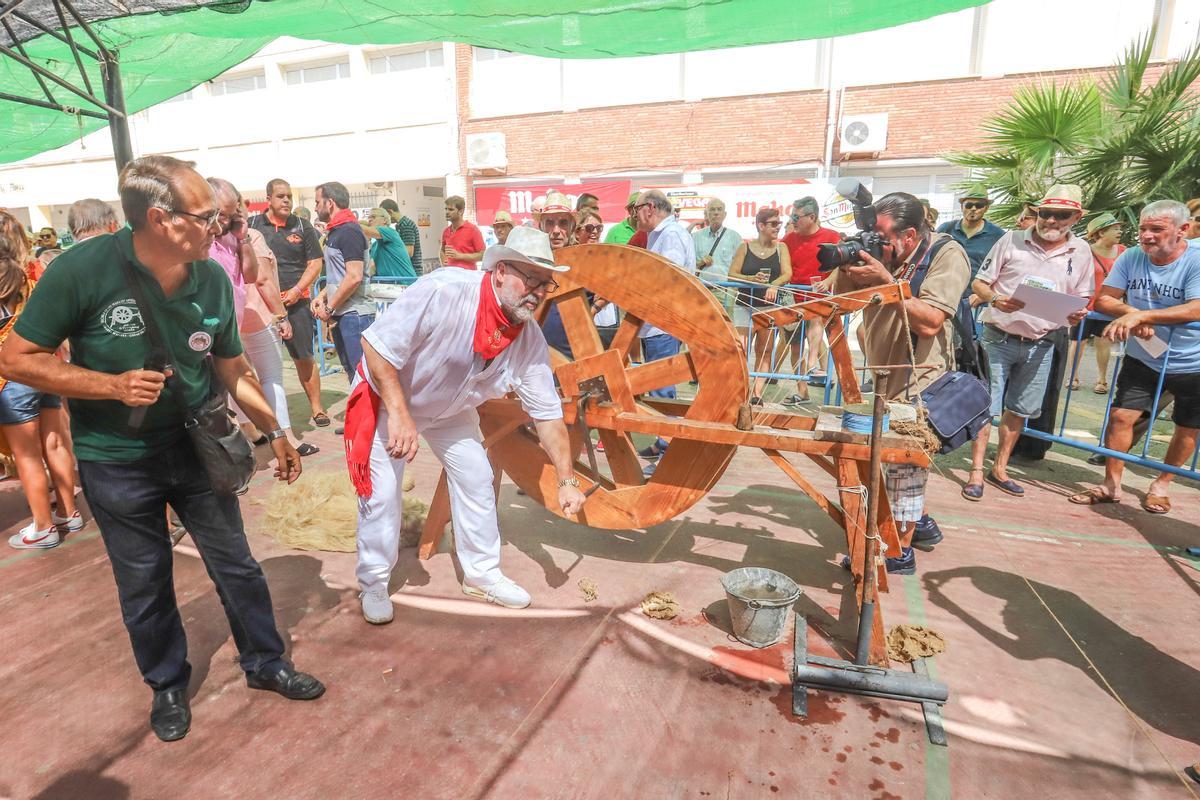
320	512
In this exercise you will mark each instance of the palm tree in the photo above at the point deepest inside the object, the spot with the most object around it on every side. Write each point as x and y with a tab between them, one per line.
1124	140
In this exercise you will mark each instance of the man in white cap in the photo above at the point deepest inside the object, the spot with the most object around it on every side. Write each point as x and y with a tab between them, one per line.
1047	256
453	340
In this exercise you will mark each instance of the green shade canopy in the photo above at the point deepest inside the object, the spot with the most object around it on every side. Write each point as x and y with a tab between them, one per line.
165	47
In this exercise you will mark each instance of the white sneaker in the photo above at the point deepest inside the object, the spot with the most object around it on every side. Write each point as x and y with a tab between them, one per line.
30	538
67	524
376	605
503	592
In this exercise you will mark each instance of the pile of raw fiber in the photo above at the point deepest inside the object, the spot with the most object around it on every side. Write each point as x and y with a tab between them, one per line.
907	643
916	426
660	605
320	512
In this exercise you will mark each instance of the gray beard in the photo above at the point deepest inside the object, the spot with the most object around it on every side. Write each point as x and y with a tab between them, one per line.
515	309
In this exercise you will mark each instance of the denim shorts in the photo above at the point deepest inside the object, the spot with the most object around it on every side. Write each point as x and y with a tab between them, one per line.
1020	372
20	403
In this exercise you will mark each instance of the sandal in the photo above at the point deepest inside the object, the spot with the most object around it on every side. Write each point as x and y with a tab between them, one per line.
307	449
1100	388
973	491
1156	503
321	420
1092	497
1075	385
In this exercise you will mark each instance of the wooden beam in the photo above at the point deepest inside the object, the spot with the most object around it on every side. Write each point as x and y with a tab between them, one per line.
663	372
815	494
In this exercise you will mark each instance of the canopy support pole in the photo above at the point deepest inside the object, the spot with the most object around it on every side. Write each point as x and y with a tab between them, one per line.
118	122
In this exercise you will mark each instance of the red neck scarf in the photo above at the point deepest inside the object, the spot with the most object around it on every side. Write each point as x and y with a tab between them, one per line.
341	217
493	330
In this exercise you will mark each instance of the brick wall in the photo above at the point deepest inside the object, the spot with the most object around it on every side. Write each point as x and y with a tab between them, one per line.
925	120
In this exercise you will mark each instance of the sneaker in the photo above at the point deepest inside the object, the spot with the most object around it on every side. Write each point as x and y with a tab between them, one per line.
867	387
927	533
503	592
30	538
376	605
648	470
651	451
339	431
600	447
67	524
903	564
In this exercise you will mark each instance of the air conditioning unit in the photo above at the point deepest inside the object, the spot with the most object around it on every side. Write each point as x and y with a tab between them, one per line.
863	133
486	154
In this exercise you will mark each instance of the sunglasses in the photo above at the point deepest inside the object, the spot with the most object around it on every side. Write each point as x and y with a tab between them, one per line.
1060	216
775	223
974	206
592	229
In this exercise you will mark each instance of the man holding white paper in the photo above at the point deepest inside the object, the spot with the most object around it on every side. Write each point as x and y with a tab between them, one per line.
1152	292
1048	266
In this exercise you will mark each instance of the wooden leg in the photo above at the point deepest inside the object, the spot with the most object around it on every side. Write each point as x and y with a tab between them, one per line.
854	507
436	520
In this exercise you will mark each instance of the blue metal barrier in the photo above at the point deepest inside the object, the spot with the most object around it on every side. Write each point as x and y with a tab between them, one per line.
324	351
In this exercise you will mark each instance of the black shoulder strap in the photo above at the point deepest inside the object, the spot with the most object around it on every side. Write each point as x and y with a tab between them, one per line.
918	277
161	357
967	338
720	236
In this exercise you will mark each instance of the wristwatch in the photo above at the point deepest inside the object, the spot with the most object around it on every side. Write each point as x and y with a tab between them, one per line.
571	481
275	434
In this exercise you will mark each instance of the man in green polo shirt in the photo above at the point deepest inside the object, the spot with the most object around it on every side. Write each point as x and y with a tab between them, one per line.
132	464
623	231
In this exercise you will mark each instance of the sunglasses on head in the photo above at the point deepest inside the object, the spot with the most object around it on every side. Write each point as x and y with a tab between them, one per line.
972	205
1048	213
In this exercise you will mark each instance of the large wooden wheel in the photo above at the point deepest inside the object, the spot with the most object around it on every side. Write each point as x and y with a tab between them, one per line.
647	288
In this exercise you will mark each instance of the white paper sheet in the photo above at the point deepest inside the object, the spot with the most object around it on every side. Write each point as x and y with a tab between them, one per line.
1051	306
1153	346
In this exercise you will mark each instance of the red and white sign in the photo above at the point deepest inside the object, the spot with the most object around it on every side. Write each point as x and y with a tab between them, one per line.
518	200
742	202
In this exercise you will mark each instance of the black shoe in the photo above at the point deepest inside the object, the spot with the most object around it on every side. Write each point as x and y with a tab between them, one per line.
339	431
170	716
1097	459
867	387
306	449
287	681
927	533
904	564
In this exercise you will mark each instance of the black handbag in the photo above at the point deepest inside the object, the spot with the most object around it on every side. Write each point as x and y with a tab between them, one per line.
220	445
957	407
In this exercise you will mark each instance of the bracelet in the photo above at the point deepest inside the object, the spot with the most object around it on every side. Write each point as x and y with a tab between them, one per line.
571	481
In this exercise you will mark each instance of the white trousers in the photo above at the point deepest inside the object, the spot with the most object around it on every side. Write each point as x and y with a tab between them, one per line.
457	443
262	348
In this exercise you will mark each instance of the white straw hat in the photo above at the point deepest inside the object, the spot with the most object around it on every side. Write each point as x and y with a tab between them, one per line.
526	246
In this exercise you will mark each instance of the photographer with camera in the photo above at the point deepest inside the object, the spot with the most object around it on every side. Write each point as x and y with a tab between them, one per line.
896	244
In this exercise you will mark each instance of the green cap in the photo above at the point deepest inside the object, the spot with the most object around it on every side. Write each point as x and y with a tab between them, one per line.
976	191
1101	221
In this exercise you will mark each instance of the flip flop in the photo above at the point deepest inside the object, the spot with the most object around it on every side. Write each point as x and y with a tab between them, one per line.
321	420
1008	486
1156	503
1092	497
1100	388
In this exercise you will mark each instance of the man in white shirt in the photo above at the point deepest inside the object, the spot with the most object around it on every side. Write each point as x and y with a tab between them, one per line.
452	341
671	240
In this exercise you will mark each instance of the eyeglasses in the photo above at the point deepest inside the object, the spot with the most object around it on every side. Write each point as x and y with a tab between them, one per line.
533	284
592	228
640	206
774	223
971	206
1060	216
209	218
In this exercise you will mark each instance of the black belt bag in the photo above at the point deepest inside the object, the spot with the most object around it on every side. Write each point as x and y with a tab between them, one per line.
220	445
957	407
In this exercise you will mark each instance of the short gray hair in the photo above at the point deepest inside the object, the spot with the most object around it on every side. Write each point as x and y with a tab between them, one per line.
90	215
150	182
223	189
1175	210
657	199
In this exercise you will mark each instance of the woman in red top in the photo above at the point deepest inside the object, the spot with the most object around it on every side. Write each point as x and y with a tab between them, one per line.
1104	234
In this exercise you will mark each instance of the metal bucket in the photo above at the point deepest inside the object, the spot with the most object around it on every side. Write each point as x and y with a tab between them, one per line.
759	600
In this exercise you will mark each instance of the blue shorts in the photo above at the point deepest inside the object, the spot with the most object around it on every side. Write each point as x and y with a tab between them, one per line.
1020	372
20	403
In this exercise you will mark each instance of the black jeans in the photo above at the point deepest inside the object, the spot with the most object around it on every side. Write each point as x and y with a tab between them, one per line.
129	501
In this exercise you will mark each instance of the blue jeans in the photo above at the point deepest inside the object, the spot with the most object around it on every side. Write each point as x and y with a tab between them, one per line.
1020	372
660	345
347	339
129	501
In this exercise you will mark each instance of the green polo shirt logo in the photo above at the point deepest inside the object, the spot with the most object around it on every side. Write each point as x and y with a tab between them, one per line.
123	319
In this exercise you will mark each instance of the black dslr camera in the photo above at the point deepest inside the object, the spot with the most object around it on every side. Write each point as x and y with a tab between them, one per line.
832	256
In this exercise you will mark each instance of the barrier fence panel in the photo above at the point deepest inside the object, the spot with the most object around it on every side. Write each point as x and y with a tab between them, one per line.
323	348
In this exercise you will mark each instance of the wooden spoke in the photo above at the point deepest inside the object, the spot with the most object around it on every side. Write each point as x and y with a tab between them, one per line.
626	341
664	372
578	324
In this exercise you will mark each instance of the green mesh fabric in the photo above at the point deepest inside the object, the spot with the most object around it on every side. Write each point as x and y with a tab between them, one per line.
165	54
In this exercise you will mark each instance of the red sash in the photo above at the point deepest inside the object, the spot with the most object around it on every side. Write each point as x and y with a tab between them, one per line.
362	412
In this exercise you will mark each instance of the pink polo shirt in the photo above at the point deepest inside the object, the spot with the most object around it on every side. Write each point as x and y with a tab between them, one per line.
1017	258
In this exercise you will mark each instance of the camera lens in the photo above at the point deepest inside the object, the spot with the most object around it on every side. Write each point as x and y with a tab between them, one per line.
832	256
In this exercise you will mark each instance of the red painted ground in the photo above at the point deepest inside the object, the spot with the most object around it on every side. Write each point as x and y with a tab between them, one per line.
1073	663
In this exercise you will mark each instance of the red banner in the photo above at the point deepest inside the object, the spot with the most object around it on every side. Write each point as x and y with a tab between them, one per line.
518	200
